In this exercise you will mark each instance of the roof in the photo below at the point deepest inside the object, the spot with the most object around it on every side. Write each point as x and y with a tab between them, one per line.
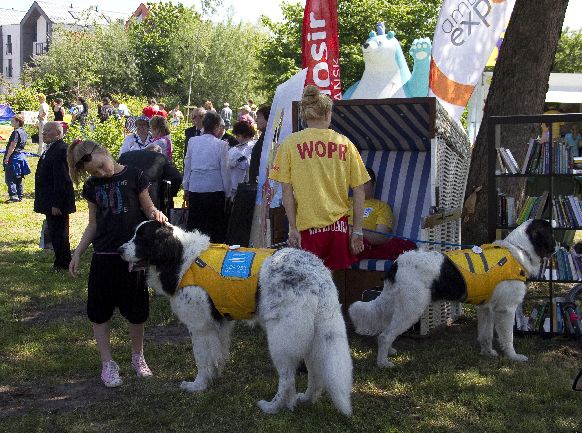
60	13
10	16
564	88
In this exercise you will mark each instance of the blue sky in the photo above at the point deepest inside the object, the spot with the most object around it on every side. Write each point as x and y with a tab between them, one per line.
249	10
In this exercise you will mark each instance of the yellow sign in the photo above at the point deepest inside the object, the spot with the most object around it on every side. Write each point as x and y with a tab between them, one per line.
493	57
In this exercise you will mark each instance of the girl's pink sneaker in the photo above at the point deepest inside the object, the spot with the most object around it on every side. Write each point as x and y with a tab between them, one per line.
110	374
139	365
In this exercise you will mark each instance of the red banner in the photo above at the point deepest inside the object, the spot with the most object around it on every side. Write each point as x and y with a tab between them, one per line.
321	47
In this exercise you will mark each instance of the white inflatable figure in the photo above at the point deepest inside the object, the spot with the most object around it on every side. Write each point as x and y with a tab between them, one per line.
386	74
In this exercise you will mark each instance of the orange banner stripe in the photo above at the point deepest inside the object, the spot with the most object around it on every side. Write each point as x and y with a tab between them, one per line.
447	89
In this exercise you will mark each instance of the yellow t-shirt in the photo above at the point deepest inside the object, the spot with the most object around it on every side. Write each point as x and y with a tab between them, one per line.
555	126
321	165
376	212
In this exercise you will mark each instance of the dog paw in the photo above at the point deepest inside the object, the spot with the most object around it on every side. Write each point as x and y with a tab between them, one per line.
193	386
517	357
489	352
268	407
392	352
384	363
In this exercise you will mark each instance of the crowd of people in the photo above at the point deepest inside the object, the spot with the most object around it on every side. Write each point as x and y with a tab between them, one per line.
140	183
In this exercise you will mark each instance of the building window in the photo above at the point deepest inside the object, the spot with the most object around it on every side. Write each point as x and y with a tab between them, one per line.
8	44
9	69
40	48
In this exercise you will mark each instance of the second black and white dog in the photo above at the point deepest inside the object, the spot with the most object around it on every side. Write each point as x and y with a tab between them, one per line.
297	305
420	277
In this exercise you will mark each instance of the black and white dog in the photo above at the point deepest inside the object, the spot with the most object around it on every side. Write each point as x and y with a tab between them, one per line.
419	277
297	305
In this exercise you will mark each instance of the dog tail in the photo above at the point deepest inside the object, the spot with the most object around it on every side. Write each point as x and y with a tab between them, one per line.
333	359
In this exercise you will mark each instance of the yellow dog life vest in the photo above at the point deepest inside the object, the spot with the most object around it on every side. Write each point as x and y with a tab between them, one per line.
230	277
483	270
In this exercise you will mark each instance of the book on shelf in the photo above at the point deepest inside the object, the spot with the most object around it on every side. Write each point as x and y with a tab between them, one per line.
502	168
563	265
505	210
565	316
511	159
546	158
567	211
533	207
508	161
530	147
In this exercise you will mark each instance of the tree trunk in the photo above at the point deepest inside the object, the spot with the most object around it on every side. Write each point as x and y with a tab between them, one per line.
519	86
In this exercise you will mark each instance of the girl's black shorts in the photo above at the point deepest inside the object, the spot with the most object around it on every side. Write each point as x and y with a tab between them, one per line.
112	285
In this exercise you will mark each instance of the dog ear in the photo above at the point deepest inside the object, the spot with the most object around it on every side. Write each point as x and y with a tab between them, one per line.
166	249
541	236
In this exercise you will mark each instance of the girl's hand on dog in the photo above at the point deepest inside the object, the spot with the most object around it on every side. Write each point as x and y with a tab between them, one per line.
159	216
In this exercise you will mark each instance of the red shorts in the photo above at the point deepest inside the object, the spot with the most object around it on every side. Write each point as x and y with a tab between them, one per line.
331	244
389	250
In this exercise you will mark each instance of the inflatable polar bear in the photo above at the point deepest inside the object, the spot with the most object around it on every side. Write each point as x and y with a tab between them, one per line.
386	74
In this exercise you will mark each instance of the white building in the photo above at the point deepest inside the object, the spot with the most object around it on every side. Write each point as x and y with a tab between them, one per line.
10	44
26	34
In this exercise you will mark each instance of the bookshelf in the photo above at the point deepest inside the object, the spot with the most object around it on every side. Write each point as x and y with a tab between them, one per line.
552	166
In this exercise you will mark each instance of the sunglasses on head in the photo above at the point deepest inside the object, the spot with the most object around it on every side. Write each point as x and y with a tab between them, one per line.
84	159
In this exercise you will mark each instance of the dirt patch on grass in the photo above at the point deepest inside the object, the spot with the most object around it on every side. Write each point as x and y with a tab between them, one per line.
167	334
39	315
21	400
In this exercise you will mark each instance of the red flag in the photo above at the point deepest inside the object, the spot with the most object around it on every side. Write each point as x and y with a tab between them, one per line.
321	47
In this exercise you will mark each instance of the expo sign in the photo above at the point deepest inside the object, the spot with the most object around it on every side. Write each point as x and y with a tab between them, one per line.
461	21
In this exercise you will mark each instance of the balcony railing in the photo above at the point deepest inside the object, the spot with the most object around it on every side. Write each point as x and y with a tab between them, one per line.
8	73
9	48
40	48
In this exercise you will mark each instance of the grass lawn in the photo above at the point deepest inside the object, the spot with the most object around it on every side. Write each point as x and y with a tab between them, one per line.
49	367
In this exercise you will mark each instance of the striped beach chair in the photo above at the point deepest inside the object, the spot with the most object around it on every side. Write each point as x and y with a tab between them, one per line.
421	160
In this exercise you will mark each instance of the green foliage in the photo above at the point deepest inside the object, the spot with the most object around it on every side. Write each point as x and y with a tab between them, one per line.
112	132
178	136
281	54
109	133
161	56
569	54
73	59
158	52
21	98
208	61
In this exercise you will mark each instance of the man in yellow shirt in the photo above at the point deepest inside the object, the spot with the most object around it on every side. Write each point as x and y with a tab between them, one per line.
378	221
317	167
556	127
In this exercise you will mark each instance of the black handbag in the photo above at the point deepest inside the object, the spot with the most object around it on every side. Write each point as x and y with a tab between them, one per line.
179	216
241	216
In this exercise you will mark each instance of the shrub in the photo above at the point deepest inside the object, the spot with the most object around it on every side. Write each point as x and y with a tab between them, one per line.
22	98
178	135
109	133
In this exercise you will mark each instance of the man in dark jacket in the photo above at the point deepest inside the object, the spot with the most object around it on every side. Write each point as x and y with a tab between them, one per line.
54	195
196	129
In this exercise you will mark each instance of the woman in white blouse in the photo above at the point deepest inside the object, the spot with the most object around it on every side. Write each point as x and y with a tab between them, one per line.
206	179
239	156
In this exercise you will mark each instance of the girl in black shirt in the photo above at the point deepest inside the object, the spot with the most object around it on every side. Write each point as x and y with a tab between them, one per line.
116	195
58	110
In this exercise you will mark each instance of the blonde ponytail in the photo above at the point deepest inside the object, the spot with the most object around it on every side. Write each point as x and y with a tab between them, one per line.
314	104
